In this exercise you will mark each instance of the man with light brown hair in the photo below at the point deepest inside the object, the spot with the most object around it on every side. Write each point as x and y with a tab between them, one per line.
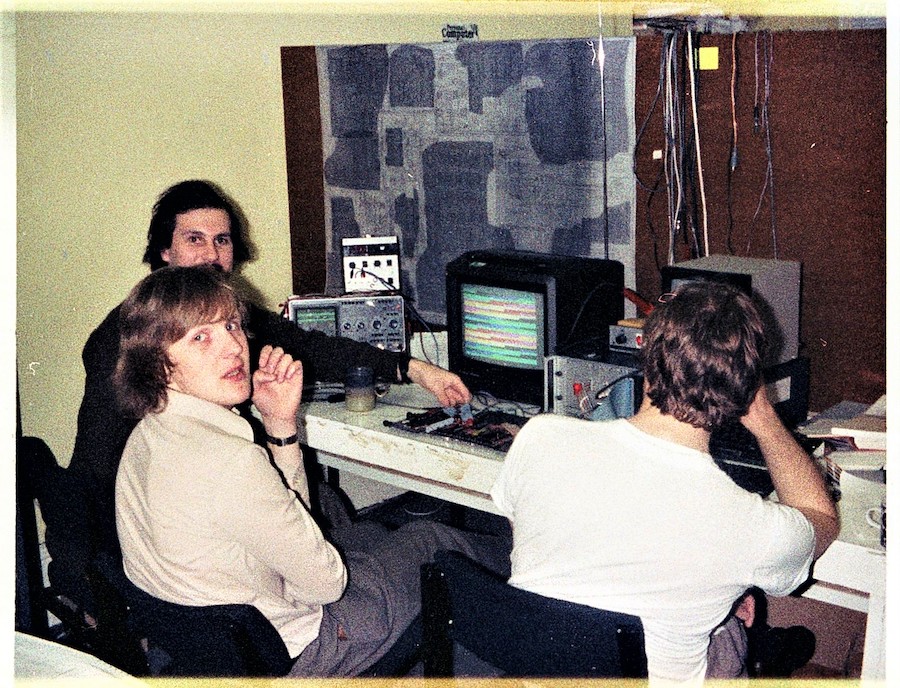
205	518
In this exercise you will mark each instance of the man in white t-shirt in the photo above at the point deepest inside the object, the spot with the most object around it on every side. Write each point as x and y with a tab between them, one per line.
633	515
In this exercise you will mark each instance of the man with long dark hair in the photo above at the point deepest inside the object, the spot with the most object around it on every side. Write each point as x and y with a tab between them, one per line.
193	223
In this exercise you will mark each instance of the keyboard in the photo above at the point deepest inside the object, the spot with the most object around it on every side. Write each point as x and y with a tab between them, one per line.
491	428
736	451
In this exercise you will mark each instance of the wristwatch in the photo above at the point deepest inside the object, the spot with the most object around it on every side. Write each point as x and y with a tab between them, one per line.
283	441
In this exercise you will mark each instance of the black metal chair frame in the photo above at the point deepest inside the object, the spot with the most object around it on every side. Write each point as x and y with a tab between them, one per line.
214	640
39	478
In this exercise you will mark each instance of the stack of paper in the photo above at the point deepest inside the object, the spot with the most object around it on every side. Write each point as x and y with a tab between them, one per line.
868	429
865	425
821	424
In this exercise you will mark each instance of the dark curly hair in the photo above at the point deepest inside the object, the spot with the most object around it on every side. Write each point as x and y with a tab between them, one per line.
157	313
193	194
702	354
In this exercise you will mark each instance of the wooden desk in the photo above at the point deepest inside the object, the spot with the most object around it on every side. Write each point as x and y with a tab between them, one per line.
850	574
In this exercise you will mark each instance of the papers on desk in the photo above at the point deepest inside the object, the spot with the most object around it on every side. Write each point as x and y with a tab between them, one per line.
865	426
868	432
869	460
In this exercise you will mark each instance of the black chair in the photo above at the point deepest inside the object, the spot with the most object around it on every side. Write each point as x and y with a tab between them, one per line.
69	597
216	641
226	640
520	633
101	612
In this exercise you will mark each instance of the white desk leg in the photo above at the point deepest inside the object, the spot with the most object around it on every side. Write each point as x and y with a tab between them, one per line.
873	664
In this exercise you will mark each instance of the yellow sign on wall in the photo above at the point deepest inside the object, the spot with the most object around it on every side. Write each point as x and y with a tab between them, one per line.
708	57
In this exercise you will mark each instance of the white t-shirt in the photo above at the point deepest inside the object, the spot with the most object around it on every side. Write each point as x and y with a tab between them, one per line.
604	514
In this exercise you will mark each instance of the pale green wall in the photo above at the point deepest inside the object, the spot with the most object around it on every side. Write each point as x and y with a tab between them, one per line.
112	108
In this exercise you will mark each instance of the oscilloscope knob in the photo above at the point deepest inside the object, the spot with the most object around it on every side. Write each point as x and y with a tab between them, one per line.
376	324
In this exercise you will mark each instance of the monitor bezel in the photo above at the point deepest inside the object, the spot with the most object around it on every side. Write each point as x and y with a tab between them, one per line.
674	273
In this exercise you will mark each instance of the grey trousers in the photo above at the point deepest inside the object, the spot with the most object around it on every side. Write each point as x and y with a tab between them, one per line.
383	591
727	653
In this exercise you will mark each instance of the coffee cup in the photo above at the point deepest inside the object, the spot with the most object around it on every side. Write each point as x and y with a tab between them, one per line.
877	518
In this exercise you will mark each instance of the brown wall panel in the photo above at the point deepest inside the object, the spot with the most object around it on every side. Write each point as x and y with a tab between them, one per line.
827	133
303	145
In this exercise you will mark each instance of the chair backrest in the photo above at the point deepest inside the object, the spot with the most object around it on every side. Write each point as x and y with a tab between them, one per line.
33	460
70	595
216	640
521	633
221	640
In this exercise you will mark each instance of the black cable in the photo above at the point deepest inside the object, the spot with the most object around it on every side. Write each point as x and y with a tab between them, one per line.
733	161
635	375
768	179
769	153
691	221
673	162
410	309
650	226
428	329
643	127
605	153
390	287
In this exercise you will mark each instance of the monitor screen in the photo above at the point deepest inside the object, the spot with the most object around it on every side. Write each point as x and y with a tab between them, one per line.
318	318
503	326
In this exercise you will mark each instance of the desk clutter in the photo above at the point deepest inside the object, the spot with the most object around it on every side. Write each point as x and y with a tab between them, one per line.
851	425
853	457
488	427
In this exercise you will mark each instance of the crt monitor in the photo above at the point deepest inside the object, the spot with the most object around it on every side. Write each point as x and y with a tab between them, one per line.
508	310
773	284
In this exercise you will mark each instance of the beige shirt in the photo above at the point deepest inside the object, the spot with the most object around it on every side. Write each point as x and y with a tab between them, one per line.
204	518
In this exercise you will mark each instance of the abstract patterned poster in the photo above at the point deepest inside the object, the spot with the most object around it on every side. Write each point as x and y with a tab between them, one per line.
459	146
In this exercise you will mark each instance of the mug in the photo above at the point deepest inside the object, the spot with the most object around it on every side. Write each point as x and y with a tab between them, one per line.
877	518
359	389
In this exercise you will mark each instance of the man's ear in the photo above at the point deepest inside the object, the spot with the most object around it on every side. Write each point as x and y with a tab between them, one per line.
169	375
164	254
